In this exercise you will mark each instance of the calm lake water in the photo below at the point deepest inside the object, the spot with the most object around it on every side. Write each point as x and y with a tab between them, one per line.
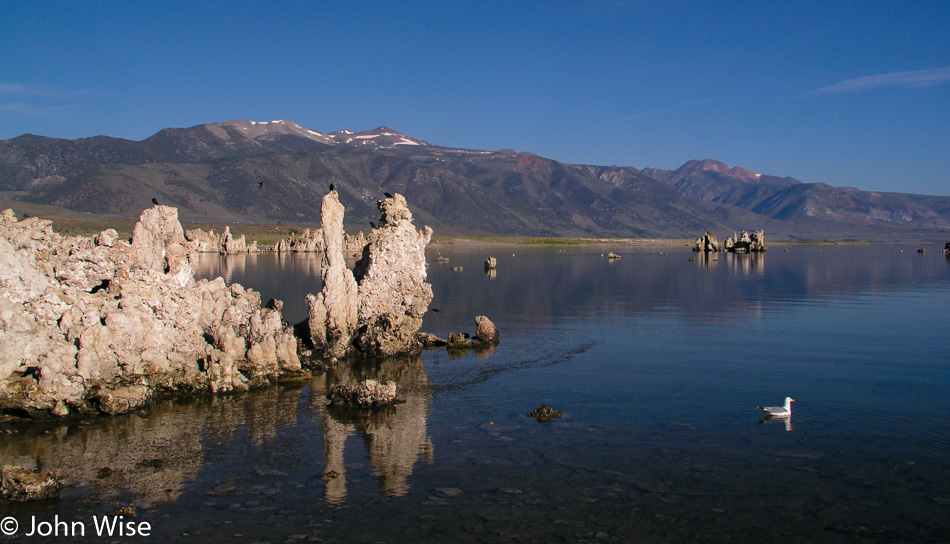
658	364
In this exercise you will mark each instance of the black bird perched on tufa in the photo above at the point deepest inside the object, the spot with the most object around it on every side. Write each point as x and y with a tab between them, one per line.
260	186
332	188
388	195
154	201
372	225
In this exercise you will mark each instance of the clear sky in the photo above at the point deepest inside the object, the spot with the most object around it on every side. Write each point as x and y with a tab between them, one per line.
845	93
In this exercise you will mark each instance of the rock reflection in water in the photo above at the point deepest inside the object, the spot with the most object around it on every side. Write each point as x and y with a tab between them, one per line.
395	437
741	264
225	445
150	458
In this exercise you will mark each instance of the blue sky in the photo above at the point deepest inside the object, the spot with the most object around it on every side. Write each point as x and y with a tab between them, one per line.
845	93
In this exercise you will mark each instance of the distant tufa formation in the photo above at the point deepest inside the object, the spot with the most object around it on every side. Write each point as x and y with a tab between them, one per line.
304	242
312	241
226	243
737	243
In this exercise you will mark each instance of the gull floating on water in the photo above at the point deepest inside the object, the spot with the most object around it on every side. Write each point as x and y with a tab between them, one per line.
779	411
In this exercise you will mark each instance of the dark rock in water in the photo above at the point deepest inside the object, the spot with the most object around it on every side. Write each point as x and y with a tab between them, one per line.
366	394
545	413
127	511
155	463
459	340
22	484
429	341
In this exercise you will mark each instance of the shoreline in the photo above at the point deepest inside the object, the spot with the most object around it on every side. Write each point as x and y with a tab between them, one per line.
267	234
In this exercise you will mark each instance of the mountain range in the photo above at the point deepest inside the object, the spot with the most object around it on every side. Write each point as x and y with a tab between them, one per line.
247	171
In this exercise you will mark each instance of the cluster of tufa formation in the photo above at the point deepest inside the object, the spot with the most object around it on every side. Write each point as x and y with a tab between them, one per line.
226	243
376	309
707	243
104	324
737	243
311	241
746	242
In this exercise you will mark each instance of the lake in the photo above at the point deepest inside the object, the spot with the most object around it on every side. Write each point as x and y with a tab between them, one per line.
657	362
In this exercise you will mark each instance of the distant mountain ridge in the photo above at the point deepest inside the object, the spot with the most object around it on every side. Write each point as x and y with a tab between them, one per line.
271	171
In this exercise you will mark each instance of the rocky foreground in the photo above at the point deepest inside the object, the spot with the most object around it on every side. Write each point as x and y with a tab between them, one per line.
102	324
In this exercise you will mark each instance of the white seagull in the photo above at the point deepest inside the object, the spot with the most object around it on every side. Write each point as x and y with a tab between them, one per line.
779	411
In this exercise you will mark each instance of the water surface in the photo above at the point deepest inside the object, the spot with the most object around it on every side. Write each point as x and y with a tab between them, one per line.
657	362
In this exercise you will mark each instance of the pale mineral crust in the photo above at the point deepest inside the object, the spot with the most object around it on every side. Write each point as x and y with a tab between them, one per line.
333	311
104	324
393	293
377	309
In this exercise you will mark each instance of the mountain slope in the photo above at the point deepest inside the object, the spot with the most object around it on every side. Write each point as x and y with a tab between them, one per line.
806	205
279	171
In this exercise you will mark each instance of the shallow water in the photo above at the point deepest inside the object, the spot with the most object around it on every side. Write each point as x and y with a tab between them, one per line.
657	363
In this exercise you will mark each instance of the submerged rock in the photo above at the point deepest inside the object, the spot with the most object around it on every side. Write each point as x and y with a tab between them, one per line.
429	341
23	484
545	413
366	394
458	340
